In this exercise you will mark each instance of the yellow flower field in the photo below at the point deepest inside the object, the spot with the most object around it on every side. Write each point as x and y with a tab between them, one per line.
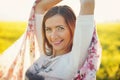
109	34
10	32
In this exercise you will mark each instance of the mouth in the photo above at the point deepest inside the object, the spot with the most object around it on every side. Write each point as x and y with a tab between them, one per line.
56	43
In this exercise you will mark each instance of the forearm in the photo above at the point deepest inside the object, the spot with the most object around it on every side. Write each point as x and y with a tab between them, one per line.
38	23
87	7
44	5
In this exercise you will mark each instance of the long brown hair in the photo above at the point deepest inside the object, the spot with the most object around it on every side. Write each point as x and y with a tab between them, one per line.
70	20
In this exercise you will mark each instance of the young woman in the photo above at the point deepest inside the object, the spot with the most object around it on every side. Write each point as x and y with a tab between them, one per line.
66	43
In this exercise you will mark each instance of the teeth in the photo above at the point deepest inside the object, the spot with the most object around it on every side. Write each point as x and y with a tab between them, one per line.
57	42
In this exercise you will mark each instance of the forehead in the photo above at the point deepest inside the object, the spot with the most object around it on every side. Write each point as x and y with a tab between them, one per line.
55	21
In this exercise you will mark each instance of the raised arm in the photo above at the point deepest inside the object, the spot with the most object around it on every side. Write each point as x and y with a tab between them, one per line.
89	58
44	5
83	32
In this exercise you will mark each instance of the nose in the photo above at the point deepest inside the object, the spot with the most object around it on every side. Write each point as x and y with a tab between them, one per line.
54	35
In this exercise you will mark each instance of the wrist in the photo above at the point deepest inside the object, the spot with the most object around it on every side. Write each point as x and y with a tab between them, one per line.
87	8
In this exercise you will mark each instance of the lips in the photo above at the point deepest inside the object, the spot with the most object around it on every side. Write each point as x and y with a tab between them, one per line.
56	43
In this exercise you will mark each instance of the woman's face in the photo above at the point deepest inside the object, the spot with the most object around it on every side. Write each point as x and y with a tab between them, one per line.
57	34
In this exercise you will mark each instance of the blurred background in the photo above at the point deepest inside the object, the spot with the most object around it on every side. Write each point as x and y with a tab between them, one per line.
14	15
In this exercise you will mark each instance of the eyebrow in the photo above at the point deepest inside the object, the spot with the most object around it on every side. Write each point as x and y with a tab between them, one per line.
60	26
55	26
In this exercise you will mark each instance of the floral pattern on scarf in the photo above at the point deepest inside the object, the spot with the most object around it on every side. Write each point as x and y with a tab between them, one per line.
16	69
92	63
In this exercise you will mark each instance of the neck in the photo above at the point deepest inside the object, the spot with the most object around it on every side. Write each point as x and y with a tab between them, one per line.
61	52
58	53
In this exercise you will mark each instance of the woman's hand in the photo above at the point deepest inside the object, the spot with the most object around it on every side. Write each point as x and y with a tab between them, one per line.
44	5
87	7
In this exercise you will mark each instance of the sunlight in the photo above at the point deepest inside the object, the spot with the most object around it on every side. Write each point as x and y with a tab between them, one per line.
105	10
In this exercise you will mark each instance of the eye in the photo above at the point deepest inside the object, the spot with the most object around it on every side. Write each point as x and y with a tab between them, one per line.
48	30
60	28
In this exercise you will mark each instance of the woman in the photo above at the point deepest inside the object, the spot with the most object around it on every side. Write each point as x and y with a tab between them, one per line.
66	42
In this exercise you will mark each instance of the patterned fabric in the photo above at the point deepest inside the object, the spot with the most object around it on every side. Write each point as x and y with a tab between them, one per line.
24	50
92	63
16	59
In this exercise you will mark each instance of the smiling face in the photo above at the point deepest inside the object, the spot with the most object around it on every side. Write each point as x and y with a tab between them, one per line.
58	29
58	34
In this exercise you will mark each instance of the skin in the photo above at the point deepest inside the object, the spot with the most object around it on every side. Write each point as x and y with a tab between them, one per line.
87	8
44	5
56	32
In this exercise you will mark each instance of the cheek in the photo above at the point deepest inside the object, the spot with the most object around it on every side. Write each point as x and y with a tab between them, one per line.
67	36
